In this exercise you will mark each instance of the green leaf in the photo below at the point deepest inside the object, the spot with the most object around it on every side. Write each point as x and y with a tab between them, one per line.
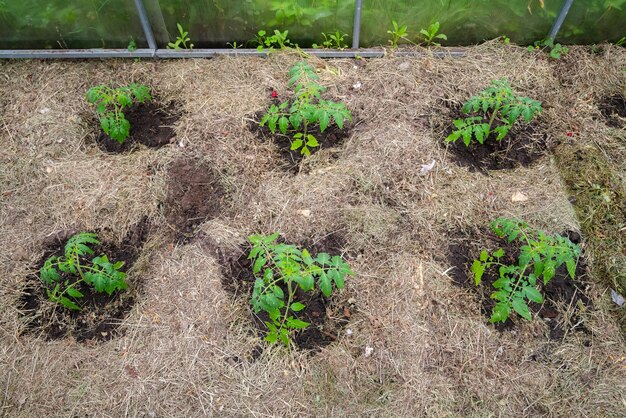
533	294
74	292
500	312
325	285
296	323
484	256
258	264
278	292
69	304
296	144
324	119
520	306
297	306
311	141
283	124
571	267
478	269
548	272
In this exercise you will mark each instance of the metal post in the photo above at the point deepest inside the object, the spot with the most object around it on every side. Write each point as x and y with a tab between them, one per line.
145	24
567	4
356	30
155	16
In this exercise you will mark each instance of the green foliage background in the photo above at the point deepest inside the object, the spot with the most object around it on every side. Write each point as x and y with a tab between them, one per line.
212	23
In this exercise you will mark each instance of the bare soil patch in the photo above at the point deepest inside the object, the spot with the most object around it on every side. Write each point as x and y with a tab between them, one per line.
100	314
151	124
194	195
613	108
560	294
523	146
327	316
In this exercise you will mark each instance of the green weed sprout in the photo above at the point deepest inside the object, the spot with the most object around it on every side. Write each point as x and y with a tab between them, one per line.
333	40
307	109
182	41
111	101
556	51
278	40
62	275
498	104
432	33
539	258
397	33
279	270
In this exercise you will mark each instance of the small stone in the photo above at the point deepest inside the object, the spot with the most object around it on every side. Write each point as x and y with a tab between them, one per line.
352	301
519	197
368	351
349	332
44	110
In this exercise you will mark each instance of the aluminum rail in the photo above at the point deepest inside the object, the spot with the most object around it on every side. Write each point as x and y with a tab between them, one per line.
75	53
567	5
211	53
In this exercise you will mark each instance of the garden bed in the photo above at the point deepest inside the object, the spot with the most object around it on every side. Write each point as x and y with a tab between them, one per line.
402	338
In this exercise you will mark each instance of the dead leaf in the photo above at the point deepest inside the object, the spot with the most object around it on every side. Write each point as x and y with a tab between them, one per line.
305	212
132	372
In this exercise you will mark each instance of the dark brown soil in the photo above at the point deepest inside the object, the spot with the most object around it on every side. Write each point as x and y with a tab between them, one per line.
523	146
613	108
194	195
560	292
332	137
100	314
327	316
150	125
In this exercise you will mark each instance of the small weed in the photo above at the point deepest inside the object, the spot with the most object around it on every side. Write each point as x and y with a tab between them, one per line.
621	41
109	104
556	50
279	270
431	34
278	40
182	41
234	45
99	273
307	108
397	33
132	45
540	256
497	103
334	40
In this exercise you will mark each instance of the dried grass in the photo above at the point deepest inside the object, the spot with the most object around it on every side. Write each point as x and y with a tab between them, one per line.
187	344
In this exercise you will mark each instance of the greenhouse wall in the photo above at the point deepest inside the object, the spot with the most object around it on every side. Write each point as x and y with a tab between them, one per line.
74	24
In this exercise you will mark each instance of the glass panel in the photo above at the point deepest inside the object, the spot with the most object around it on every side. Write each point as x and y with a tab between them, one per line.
26	24
593	21
214	23
463	21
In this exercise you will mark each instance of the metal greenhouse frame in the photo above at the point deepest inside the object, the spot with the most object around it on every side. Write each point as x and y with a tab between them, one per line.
153	51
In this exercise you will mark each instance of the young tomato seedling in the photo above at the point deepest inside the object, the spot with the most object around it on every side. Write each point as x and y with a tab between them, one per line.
498	109
279	270
63	275
306	110
111	101
539	258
